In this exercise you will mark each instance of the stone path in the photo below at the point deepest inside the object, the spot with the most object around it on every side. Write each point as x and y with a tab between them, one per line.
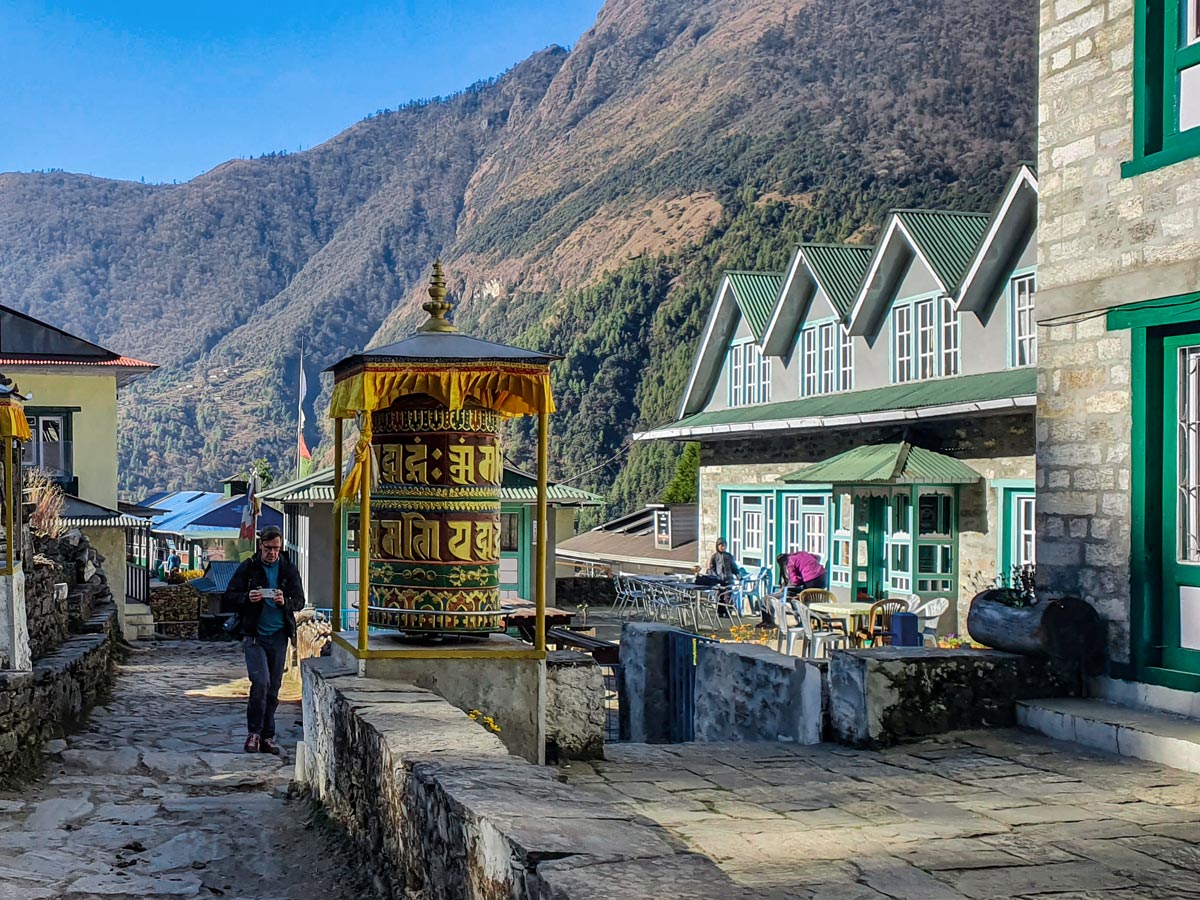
157	800
995	814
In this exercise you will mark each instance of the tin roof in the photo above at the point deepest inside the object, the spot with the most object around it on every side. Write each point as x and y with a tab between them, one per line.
948	240
517	487
216	579
204	514
79	513
756	294
900	463
839	270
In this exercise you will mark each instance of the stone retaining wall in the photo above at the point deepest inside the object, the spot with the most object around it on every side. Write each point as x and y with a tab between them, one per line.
46	609
749	692
441	810
574	707
176	609
44	704
885	696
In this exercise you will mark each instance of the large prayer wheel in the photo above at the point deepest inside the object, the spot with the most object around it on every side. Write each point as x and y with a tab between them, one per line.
435	548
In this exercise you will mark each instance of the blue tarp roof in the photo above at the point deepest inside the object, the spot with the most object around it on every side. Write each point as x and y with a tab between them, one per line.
205	514
216	580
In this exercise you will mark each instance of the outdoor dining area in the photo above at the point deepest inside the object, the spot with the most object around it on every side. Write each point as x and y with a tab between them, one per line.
810	622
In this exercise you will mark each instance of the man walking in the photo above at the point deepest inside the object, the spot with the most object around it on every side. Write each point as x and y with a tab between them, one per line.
266	593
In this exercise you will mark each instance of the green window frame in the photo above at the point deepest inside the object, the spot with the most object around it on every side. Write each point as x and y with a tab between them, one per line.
784	517
825	358
749	371
1166	54
1022	346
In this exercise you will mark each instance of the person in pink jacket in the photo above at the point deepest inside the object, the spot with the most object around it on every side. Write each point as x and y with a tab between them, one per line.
802	570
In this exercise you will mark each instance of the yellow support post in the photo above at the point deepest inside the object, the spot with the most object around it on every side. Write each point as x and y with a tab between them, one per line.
364	550
10	542
542	532
335	615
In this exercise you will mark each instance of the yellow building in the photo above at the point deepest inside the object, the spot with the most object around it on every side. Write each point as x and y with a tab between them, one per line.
72	388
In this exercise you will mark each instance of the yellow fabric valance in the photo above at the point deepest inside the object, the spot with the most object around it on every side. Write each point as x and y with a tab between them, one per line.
509	389
13	423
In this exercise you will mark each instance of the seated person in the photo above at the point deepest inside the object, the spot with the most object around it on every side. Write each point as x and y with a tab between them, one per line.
722	570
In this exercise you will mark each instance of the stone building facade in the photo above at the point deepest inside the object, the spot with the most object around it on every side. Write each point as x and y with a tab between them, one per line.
1118	307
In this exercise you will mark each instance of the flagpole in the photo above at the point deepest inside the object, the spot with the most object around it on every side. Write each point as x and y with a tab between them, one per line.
300	409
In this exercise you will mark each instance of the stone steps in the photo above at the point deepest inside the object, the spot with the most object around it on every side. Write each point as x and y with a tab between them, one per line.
1159	737
139	622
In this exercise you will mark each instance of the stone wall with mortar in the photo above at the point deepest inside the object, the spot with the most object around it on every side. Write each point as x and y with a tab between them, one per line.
748	692
998	447
893	694
46	608
575	713
44	704
644	703
1084	504
1103	240
441	810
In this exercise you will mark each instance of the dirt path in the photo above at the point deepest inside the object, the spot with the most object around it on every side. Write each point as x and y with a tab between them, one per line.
156	798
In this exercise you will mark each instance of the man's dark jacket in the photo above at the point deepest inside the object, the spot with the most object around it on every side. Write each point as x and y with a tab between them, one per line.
250	575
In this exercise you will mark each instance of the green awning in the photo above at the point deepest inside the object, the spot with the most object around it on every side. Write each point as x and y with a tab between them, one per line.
887	464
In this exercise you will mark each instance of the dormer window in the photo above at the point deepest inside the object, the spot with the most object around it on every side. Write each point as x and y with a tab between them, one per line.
749	375
1022	324
826	359
925	340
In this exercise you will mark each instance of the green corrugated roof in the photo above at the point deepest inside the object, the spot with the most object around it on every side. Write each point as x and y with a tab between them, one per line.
756	294
839	269
900	463
947	239
517	487
937	392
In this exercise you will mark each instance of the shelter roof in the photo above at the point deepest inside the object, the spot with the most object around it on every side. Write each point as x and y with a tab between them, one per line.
899	463
940	397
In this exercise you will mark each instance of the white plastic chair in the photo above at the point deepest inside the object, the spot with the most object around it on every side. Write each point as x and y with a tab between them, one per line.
928	617
816	640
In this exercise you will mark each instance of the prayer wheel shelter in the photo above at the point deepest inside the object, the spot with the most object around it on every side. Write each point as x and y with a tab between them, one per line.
14	435
426	477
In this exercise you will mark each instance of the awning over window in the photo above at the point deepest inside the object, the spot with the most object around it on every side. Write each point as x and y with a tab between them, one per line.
900	463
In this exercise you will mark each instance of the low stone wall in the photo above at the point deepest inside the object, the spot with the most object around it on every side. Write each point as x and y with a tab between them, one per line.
80	606
885	696
46	608
441	810
595	592
44	704
574	707
749	692
176	609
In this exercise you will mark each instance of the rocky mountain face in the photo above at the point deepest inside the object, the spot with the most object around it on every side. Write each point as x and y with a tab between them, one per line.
584	202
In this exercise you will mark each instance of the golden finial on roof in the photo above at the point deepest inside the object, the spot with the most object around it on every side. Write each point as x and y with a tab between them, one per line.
437	306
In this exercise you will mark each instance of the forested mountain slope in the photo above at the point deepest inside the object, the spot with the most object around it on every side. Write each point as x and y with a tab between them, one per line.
585	202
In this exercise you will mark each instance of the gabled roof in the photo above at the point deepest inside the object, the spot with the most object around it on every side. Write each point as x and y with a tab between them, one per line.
836	269
900	463
755	293
80	513
516	487
740	294
945	243
630	540
29	342
1012	226
205	514
936	398
216	578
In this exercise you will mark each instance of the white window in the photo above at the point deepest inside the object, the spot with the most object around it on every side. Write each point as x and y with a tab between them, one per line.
1189	455
846	358
1026	531
950	354
926	339
736	394
810	361
47	448
1190	10
749	375
805	524
902	337
1024	326
829	358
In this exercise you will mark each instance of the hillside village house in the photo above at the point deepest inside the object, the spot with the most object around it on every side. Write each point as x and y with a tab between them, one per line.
1119	338
875	406
72	385
308	524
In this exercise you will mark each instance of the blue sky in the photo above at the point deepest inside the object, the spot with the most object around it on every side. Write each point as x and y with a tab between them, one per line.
165	90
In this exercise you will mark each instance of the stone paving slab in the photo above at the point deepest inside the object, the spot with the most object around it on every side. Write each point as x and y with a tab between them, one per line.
972	816
155	798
